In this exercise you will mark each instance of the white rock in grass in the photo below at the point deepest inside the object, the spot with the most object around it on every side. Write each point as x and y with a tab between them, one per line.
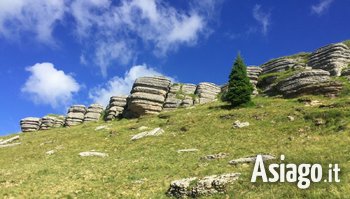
155	132
238	124
250	159
50	152
187	150
93	153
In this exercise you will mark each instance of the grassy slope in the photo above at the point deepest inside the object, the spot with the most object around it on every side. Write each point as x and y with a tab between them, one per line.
144	168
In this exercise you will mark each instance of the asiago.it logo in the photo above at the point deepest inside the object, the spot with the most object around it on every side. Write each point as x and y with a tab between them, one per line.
303	174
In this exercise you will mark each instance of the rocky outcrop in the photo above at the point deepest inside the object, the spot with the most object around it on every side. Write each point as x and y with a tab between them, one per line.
49	122
207	92
147	96
76	115
194	187
253	73
115	107
30	124
180	95
285	63
332	58
314	81
93	113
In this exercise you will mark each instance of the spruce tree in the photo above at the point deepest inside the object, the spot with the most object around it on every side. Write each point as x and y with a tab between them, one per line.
239	87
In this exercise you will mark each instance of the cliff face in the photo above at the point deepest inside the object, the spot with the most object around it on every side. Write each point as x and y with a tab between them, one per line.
301	74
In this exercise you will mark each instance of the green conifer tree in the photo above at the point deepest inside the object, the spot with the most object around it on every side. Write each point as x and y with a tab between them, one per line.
239	87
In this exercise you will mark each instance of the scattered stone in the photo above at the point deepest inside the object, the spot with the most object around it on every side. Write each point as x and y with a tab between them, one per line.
194	187
101	127
187	150
238	124
291	118
332	58
93	113
214	156
250	159
147	96
319	121
30	124
51	152
9	145
93	153
207	92
10	140
76	115
154	132
142	128
313	103
115	107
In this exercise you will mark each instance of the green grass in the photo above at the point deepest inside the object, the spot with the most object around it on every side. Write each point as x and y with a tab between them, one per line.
145	168
347	42
279	75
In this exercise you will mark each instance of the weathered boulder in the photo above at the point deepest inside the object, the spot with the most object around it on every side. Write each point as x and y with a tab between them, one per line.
30	124
314	81
285	63
332	58
207	92
253	73
154	132
180	95
76	115
115	107
194	187
93	113
147	96
47	122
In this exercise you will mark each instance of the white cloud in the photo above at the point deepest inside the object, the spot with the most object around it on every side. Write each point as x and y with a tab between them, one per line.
321	7
122	29
121	85
35	16
112	32
263	18
47	85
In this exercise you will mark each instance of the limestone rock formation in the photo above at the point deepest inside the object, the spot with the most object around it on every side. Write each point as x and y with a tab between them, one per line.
93	113
147	96
180	95
194	187
76	115
47	122
207	92
314	81
285	63
253	73
332	58
59	121
30	124
115	107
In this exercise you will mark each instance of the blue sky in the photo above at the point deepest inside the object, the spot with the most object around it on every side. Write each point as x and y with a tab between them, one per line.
60	52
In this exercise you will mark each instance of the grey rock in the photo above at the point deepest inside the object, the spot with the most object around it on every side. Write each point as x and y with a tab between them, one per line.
30	124
93	153
194	187
154	132
115	107
238	124
250	159
332	58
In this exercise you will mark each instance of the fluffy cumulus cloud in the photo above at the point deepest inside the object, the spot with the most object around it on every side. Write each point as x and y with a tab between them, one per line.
35	16
47	85
321	7
117	32
262	17
121	85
